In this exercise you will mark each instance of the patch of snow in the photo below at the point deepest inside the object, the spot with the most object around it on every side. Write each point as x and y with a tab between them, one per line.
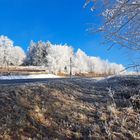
37	76
98	78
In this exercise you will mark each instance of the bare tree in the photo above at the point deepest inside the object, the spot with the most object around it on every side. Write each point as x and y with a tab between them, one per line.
121	22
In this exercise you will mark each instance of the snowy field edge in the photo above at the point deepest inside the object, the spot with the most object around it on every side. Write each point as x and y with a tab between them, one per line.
33	76
41	76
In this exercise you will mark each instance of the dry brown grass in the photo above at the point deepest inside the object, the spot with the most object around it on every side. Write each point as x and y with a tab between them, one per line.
92	74
66	109
17	70
25	70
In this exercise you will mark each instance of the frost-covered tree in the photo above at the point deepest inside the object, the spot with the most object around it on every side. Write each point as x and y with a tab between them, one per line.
10	54
81	62
85	64
59	62
18	55
121	21
37	53
120	24
59	58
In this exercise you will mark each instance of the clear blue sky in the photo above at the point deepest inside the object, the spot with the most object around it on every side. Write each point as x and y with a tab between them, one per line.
59	21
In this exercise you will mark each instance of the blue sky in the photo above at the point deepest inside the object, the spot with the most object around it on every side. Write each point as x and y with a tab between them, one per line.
59	21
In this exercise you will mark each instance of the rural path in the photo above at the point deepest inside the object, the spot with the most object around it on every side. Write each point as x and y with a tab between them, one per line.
22	81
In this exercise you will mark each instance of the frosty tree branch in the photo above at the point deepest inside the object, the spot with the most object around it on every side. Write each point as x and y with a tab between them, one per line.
121	21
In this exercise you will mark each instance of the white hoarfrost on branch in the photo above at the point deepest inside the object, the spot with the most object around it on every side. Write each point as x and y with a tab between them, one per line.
10	54
119	24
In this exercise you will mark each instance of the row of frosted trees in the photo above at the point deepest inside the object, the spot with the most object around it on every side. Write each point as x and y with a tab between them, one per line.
55	58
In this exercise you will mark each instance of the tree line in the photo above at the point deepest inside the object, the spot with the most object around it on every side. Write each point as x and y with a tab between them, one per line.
56	58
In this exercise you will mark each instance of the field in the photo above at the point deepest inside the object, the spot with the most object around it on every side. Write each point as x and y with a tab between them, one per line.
24	70
78	108
29	70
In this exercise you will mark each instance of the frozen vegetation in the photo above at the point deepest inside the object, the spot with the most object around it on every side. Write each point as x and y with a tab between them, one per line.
10	54
56	58
73	109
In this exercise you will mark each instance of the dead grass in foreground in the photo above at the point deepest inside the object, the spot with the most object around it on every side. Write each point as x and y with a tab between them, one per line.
66	110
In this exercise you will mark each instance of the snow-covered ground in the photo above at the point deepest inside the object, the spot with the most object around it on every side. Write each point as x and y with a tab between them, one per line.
40	76
33	76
